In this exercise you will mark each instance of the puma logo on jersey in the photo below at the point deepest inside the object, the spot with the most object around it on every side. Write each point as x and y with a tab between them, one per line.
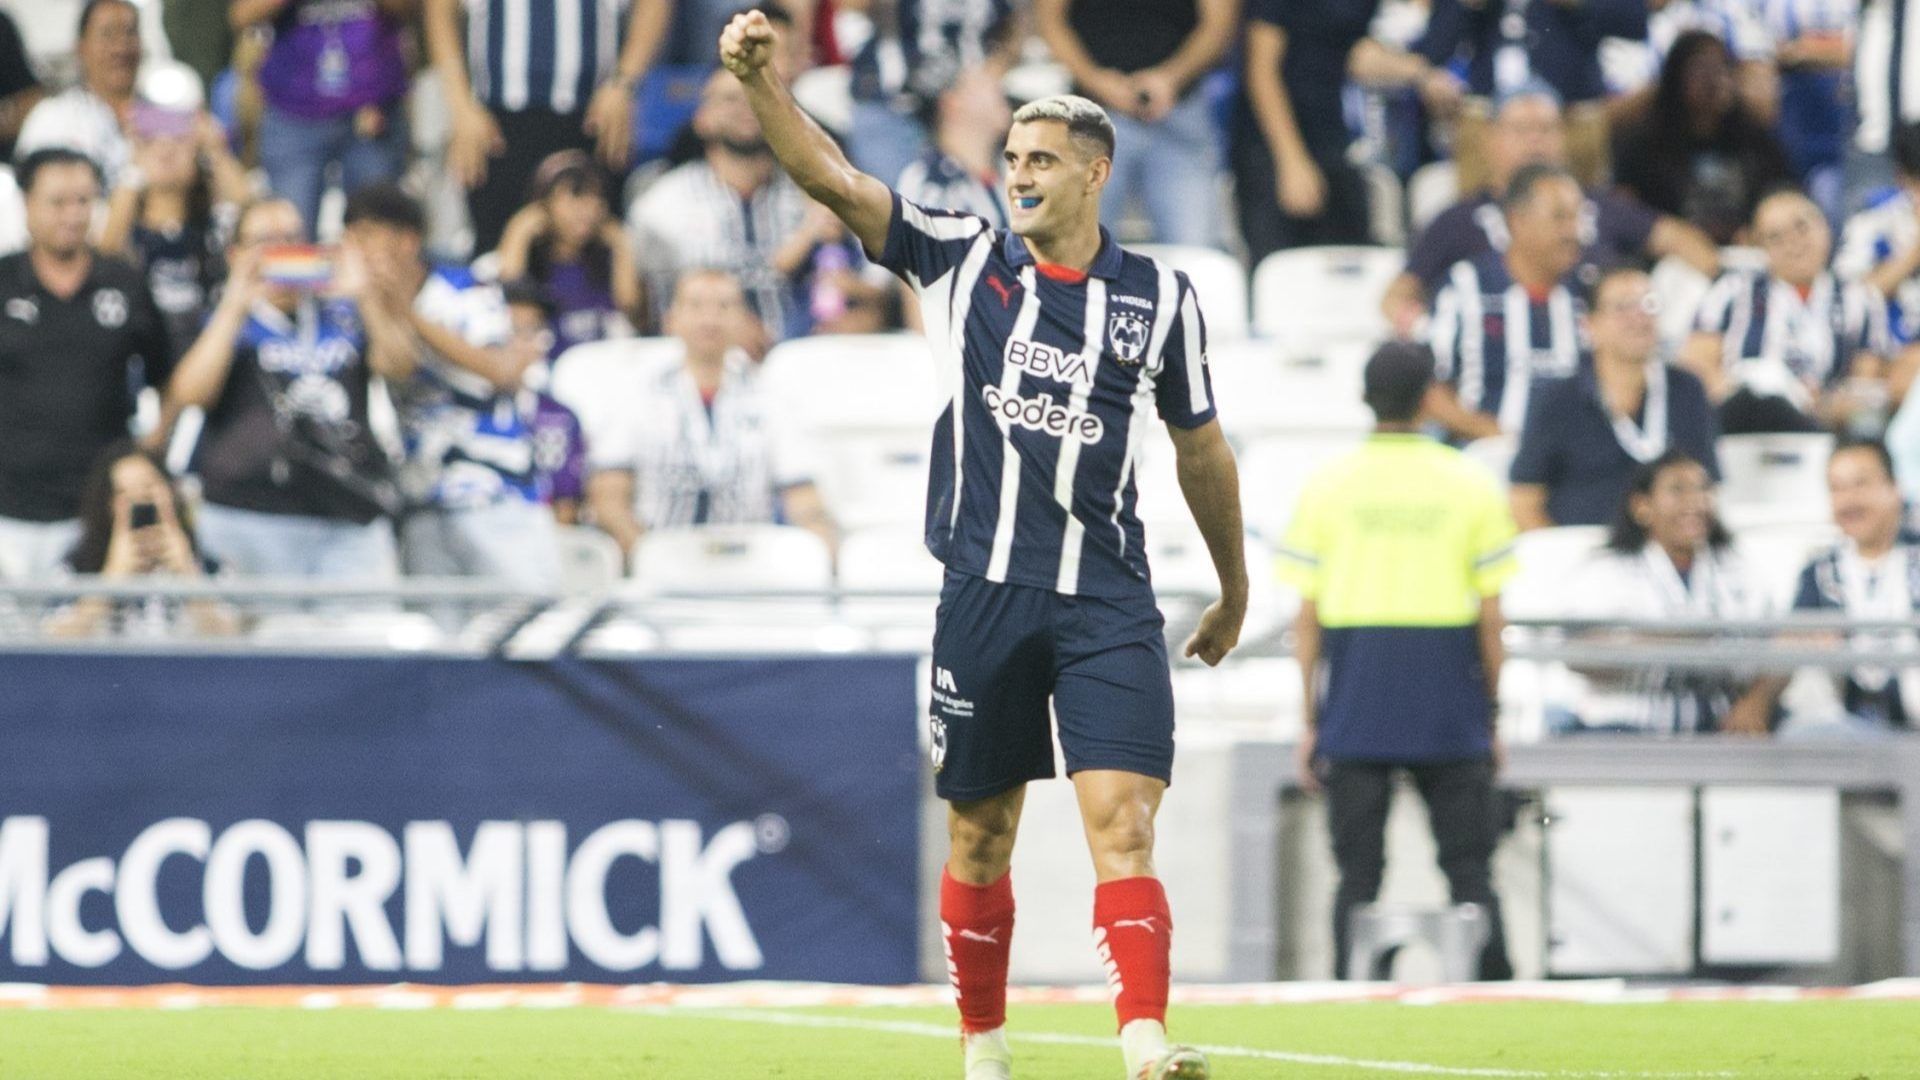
1146	924
992	938
1001	287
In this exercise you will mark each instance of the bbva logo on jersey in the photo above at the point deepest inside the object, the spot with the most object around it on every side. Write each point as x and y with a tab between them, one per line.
1127	335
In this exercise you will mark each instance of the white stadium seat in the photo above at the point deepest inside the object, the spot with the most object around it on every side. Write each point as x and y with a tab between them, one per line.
1680	289
889	560
1547	561
874	478
1434	187
1218	279
1775	555
1262	393
1774	478
732	558
1309	298
1496	453
590	560
857	381
602	381
1274	471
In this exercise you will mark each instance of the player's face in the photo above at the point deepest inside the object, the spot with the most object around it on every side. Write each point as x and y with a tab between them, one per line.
60	208
1866	501
1052	187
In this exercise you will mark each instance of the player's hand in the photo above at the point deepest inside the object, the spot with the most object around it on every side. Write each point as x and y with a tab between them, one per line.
1217	634
746	45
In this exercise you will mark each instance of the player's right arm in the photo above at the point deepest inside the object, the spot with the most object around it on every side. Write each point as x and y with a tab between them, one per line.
806	151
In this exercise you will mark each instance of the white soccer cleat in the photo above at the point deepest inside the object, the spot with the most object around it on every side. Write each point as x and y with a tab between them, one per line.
988	1056
1178	1063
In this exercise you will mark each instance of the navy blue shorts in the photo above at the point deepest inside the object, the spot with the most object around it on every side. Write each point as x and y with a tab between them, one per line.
1000	651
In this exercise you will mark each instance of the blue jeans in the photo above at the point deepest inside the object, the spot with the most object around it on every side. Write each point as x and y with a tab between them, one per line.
297	152
883	143
248	543
1172	167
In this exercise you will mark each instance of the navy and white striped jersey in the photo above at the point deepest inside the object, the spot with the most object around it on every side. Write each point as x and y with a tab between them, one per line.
937	181
541	54
929	43
1886	72
1772	339
1491	339
1888	226
1050	383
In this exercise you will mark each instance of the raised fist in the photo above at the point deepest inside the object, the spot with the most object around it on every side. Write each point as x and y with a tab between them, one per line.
746	45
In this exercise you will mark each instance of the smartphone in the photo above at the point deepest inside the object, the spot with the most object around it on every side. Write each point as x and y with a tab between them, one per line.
159	122
143	515
300	266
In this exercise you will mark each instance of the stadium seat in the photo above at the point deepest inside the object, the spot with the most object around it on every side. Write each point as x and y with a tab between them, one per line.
590	560
1274	471
874	478
889	560
1680	289
1219	281
602	381
1776	553
856	381
732	559
1774	478
1547	560
1496	453
1262	393
1435	187
826	93
1309	298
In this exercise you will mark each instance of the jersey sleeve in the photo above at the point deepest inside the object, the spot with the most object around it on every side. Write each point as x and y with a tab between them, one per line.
1297	558
1493	536
924	245
1183	389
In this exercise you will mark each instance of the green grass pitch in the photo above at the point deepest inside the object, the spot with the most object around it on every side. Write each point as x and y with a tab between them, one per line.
1810	1040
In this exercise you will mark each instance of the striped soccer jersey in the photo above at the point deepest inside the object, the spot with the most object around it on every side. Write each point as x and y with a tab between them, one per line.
1764	322
1491	340
1050	384
541	54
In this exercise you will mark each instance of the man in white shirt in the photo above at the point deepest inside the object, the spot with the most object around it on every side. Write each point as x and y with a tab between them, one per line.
707	446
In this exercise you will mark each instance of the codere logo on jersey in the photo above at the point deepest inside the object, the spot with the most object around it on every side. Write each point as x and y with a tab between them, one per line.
1043	415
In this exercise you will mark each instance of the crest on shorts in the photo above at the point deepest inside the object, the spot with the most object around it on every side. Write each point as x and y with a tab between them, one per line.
937	742
1127	336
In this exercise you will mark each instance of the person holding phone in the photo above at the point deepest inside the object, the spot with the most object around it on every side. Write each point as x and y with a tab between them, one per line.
295	483
173	211
133	525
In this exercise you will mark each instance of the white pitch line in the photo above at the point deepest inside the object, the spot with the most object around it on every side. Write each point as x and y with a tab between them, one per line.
948	1033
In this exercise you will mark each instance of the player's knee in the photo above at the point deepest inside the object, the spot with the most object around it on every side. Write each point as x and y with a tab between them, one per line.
1122	835
982	838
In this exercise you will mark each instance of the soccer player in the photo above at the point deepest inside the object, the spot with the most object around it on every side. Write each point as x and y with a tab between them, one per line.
1056	345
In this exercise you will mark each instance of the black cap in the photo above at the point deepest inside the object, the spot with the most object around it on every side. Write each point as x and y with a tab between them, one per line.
1397	379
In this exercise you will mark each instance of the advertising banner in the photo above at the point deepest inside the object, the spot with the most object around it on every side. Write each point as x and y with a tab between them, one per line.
231	820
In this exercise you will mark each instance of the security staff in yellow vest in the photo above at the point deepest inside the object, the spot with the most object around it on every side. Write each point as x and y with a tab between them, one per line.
1399	551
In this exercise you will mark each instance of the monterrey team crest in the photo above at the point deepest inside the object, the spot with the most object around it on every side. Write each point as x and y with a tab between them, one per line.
1127	334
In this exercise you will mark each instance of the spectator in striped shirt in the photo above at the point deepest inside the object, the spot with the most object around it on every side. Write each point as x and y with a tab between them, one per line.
960	167
1505	319
1794	348
531	78
1881	244
732	209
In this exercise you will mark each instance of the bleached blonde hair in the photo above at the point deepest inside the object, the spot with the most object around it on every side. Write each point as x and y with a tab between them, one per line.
1087	123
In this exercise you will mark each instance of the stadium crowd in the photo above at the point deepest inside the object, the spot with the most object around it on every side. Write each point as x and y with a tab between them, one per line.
343	249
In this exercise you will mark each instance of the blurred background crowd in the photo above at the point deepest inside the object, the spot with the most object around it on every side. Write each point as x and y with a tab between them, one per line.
336	289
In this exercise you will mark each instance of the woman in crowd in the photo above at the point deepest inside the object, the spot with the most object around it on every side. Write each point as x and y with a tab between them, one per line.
173	212
567	241
134	525
1696	152
1668	558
